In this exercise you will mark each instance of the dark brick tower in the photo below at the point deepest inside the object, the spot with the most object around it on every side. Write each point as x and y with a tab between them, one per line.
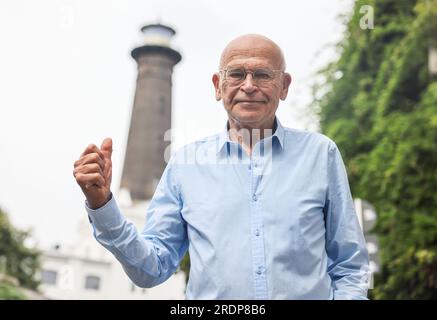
151	115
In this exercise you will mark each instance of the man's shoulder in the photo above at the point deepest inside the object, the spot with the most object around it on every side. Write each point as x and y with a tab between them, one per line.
205	142
203	145
309	138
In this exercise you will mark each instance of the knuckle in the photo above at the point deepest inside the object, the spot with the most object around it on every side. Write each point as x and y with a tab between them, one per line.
79	177
89	158
96	157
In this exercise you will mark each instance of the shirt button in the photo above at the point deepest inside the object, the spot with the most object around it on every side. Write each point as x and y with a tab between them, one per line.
259	271
257	232
254	197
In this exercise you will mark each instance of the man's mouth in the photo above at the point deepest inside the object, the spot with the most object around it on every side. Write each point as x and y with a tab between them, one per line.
249	101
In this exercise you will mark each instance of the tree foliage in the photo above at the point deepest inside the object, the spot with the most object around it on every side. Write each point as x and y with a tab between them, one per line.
17	260
10	292
379	103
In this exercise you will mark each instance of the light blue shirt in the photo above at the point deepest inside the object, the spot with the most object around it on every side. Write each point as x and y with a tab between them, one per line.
279	224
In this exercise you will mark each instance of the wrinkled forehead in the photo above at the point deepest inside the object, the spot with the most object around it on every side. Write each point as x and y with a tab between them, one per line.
252	54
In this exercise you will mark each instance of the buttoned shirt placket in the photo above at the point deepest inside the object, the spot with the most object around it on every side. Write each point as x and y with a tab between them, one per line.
255	170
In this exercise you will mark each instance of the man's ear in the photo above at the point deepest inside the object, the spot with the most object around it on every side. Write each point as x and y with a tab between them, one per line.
216	82
286	81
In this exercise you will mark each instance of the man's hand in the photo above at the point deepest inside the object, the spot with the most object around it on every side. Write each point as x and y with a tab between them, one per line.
93	173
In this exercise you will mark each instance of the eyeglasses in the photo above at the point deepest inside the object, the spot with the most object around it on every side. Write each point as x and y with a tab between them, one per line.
261	77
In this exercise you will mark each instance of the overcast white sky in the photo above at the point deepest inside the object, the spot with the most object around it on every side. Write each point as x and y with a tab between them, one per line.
67	80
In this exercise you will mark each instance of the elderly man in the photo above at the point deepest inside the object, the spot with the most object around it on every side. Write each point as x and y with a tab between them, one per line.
269	215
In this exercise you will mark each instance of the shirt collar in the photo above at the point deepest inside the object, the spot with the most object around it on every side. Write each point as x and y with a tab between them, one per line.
224	140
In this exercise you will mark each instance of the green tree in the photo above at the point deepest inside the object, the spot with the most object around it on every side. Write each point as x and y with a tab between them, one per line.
10	292
185	267
379	103
16	260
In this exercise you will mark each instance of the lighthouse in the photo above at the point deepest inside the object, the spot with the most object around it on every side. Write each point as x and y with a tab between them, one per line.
144	160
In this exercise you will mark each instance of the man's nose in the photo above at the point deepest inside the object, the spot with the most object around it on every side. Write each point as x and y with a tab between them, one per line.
248	84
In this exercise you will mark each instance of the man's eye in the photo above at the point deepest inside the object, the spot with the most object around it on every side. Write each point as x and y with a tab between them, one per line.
236	74
262	74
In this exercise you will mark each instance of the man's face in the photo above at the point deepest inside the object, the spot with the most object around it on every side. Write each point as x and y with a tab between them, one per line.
249	103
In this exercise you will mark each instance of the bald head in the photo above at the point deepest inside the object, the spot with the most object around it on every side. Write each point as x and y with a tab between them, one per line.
253	45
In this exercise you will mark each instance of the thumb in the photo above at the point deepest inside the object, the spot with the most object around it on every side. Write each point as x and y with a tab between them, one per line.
107	148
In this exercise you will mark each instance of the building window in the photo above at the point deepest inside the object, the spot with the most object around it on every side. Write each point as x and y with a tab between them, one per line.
49	277
92	283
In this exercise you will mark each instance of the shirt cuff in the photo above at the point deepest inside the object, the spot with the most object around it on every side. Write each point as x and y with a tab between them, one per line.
107	216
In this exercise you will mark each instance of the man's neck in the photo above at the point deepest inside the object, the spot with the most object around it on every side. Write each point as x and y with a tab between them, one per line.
248	135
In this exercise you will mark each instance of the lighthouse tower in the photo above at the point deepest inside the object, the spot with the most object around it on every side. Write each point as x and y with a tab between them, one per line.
151	115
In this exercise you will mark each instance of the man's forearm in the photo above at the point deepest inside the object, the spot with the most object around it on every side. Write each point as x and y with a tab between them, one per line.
118	235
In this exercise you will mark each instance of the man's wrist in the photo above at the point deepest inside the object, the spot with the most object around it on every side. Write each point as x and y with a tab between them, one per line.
98	205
